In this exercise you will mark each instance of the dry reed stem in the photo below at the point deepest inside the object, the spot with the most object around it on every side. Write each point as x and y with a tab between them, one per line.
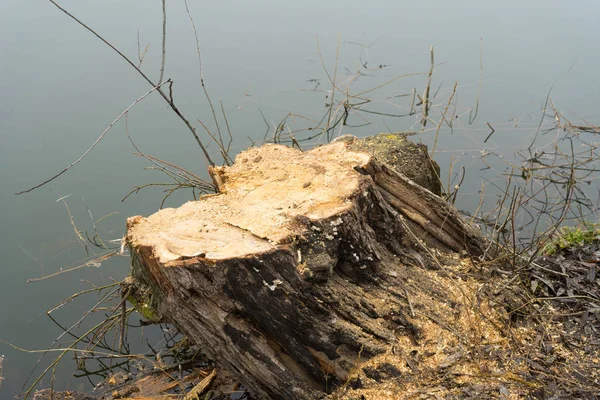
425	98
439	125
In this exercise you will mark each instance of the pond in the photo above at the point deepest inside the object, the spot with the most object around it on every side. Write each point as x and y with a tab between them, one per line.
61	87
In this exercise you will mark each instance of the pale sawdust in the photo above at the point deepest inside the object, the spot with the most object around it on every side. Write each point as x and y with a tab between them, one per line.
477	349
465	347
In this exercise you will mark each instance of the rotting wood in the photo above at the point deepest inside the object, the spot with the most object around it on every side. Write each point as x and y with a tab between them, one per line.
302	268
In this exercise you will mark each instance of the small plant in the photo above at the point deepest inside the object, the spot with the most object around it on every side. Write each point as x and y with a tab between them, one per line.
569	237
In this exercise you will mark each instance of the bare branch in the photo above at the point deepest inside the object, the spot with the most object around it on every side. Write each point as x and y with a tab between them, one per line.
146	78
96	142
201	70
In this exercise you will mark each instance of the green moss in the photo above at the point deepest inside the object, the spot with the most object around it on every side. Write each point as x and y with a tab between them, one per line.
408	158
143	308
395	136
569	237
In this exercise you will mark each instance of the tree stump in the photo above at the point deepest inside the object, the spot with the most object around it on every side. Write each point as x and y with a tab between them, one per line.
306	266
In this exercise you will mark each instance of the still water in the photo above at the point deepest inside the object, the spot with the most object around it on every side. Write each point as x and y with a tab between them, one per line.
61	87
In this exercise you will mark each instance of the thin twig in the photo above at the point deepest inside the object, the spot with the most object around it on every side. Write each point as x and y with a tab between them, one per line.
426	105
97	140
92	263
537	132
201	71
473	114
491	133
439	125
163	55
141	55
49	349
146	78
331	80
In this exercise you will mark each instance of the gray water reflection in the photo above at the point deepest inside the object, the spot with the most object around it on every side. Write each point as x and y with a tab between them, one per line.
61	87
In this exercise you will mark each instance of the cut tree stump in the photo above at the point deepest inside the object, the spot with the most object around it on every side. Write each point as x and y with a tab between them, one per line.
307	266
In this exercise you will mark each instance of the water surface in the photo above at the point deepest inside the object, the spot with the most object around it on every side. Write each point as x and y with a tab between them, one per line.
61	87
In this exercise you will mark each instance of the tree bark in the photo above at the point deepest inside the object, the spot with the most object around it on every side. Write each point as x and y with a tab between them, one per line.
306	265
